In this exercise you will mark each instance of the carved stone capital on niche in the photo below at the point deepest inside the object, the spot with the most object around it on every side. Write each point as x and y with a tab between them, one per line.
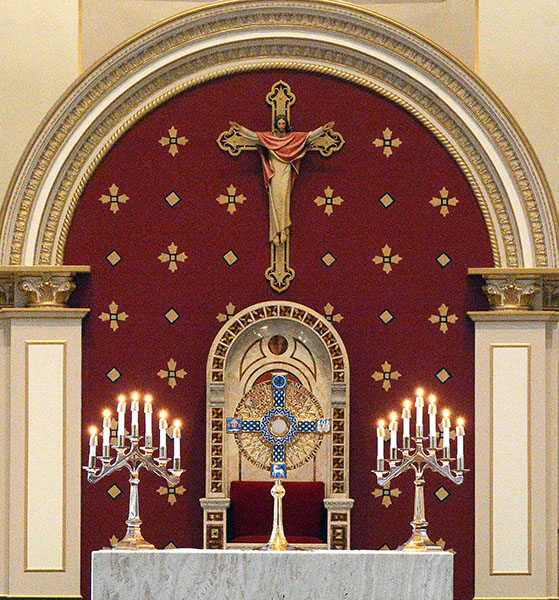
6	292
47	290
38	286
511	294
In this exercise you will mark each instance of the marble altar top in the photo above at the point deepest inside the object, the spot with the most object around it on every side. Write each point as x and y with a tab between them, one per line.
251	575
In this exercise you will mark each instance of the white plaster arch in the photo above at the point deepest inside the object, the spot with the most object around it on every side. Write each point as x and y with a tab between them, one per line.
315	35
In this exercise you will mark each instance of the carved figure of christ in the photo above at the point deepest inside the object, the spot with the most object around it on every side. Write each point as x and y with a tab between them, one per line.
281	152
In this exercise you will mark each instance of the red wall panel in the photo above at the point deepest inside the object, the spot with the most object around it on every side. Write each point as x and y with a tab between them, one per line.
203	285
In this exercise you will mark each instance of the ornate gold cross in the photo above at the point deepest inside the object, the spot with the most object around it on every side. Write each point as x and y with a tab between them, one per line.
280	98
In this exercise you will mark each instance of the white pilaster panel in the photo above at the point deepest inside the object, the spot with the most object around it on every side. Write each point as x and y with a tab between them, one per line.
44	404
45	456
516	455
510	460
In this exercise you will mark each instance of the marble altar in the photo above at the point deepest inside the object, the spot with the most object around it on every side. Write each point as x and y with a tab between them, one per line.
247	575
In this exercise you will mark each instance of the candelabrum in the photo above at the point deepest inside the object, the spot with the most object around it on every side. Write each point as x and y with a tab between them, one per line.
134	457
420	458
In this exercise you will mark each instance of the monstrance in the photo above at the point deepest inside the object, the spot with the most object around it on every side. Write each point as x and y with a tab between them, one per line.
278	426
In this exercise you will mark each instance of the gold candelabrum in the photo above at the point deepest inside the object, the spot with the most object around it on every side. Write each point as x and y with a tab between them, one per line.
419	458
134	457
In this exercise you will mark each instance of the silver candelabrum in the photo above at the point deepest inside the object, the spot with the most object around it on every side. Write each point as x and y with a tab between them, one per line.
133	458
419	459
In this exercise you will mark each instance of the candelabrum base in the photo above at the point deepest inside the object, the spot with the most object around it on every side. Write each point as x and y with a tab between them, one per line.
420	542
278	547
133	540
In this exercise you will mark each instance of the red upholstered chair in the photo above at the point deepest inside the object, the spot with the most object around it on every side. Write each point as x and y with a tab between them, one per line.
249	518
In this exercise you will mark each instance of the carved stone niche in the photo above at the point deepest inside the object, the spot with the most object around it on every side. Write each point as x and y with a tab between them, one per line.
39	286
519	290
267	337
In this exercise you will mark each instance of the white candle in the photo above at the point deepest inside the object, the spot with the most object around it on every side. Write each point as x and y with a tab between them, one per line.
121	410
380	445
148	412
419	404
92	446
106	432
135	408
163	434
432	410
446	433
176	444
406	416
460	433
393	428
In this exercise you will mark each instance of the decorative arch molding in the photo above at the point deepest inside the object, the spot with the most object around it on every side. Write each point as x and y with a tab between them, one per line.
276	310
315	35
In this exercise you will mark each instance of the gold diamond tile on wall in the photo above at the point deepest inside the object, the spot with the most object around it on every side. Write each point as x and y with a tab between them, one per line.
172	199
441	493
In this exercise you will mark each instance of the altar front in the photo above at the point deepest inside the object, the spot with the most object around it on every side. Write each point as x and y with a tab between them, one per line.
245	575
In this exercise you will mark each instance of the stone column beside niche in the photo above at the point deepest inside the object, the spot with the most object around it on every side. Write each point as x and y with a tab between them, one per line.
40	431
516	395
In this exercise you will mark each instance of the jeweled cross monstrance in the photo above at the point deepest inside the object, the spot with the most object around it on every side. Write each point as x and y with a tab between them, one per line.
280	98
278	426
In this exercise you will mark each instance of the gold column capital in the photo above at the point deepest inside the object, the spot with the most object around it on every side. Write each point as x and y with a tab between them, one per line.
520	290
42	286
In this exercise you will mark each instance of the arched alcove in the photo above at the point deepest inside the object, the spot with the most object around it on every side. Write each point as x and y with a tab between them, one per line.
313	353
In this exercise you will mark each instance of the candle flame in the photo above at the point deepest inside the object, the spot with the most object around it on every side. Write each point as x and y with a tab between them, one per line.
163	414
106	413
148	398
177	423
393	416
93	430
121	398
432	398
135	395
407	403
419	392
446	413
460	422
381	423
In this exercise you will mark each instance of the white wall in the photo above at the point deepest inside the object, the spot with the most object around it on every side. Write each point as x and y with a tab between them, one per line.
518	57
39	59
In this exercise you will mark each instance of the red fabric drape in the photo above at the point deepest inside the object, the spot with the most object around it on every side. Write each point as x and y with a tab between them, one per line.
289	149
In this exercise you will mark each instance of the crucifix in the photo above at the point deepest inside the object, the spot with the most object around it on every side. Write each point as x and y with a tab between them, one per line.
281	152
277	428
